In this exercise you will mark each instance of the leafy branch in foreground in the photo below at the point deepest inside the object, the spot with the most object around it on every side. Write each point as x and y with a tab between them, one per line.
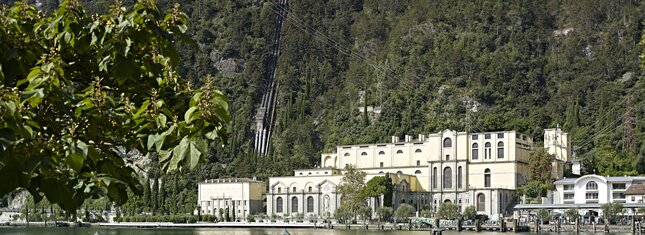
78	90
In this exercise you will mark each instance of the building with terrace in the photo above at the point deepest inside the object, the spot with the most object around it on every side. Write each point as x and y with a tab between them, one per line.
596	189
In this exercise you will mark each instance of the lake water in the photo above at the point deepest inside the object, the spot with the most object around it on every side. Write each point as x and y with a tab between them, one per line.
224	231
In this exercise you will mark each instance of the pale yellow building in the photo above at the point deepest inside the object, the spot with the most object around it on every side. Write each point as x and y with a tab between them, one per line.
239	196
479	169
558	144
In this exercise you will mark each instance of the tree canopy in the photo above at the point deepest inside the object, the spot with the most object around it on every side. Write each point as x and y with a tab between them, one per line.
448	210
404	211
79	93
351	189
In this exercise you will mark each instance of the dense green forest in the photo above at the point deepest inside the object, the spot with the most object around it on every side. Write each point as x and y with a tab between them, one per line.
429	65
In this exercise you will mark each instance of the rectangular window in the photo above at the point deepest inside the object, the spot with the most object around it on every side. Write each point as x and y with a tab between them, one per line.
568	196
568	187
500	152
591	196
418	163
618	186
475	137
487	136
619	195
381	164
294	189
500	135
447	157
633	198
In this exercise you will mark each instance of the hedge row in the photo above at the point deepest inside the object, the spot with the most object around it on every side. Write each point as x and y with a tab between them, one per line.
181	219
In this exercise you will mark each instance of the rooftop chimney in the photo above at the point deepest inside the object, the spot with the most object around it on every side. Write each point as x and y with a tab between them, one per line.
395	139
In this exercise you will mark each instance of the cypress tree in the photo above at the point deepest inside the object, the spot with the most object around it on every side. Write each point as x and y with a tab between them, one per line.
146	193
155	191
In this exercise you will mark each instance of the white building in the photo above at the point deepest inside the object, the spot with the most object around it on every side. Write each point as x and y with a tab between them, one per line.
238	196
480	169
596	189
635	193
313	192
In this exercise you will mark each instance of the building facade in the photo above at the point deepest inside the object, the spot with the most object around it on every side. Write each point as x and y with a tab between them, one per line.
635	193
479	169
312	192
237	196
596	189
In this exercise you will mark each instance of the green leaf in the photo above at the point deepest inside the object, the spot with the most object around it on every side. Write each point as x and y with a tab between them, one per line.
67	37
142	109
75	161
7	138
33	96
34	72
1	75
161	120
128	43
177	156
117	193
93	41
156	140
57	192
189	116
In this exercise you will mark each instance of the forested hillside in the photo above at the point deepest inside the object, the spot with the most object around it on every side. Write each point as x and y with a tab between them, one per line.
525	65
428	65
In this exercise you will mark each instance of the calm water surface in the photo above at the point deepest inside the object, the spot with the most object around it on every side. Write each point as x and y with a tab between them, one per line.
224	231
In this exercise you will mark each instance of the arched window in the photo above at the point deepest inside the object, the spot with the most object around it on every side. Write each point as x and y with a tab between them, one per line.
447	177
399	151
310	189
381	153
279	190
364	154
459	177
434	177
487	177
346	154
487	152
417	151
399	172
380	172
310	204
278	205
481	202
417	172
447	143
475	153
592	185
294	205
500	149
